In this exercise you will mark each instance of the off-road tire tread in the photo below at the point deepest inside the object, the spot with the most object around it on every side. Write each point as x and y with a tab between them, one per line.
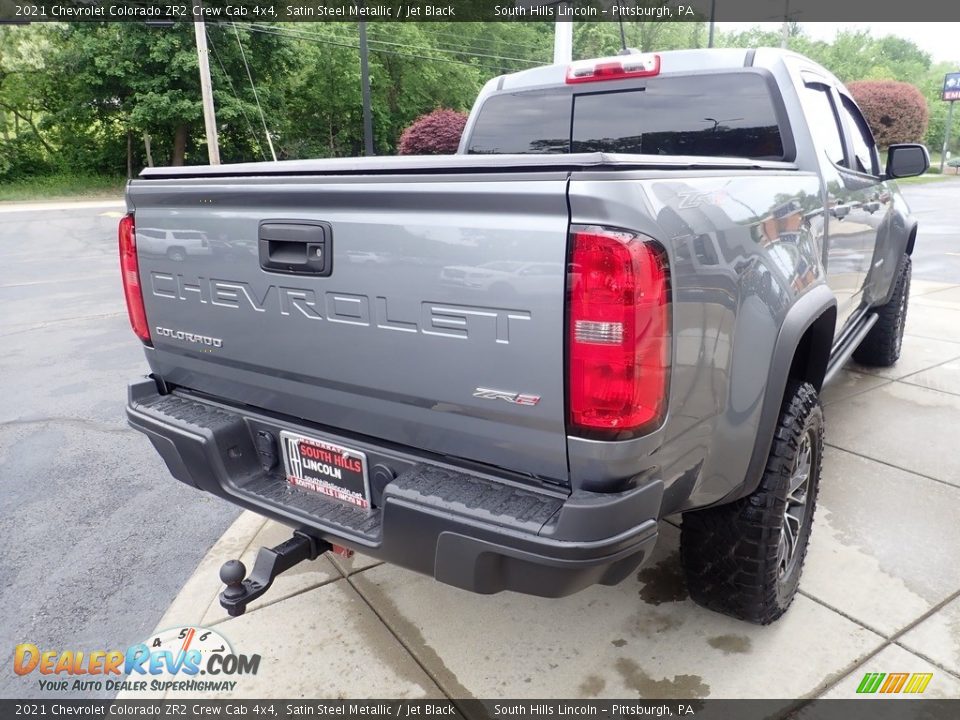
881	346
729	552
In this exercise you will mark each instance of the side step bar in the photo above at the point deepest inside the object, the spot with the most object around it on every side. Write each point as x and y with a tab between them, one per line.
851	342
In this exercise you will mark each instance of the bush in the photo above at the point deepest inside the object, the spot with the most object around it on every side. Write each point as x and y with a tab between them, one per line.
22	157
896	111
436	133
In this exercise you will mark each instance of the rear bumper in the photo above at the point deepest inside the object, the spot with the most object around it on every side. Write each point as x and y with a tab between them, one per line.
465	528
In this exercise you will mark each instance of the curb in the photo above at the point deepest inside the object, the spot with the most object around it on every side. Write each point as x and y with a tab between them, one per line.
16	206
201	590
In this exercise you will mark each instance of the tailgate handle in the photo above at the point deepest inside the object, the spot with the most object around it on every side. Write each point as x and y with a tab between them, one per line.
299	247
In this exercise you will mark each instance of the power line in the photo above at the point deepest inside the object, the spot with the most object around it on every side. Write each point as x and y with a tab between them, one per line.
485	44
332	39
301	34
457	41
256	138
515	44
457	51
255	95
462	48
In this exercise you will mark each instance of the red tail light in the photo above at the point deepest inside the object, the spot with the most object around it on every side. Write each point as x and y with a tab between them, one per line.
619	334
130	272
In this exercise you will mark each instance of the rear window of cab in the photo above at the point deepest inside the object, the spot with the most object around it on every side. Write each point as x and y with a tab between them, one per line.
712	115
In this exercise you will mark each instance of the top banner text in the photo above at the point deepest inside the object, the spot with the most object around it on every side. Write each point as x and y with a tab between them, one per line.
160	12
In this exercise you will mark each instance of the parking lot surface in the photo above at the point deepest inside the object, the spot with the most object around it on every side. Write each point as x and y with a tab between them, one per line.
880	593
103	538
96	538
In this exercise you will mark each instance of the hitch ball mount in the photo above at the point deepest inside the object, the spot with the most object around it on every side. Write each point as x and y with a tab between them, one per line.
240	590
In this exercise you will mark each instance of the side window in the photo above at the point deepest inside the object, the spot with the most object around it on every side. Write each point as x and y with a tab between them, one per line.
865	158
822	119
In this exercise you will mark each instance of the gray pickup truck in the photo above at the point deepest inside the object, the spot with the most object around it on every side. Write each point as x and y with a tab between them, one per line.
504	368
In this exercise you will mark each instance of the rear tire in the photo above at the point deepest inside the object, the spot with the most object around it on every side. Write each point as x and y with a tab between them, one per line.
745	558
881	346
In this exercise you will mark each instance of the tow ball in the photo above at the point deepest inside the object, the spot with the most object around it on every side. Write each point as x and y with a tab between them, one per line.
270	562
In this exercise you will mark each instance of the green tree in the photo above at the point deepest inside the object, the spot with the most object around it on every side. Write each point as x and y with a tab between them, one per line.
593	39
931	86
90	93
324	105
853	54
24	149
129	78
406	86
413	69
857	55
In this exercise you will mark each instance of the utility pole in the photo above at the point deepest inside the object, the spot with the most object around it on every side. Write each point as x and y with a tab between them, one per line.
206	90
713	18
785	37
946	137
562	39
950	93
365	91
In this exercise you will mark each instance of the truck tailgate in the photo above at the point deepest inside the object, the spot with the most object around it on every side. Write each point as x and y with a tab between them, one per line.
419	310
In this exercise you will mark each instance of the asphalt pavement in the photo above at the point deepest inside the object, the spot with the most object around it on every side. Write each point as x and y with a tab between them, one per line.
937	207
98	539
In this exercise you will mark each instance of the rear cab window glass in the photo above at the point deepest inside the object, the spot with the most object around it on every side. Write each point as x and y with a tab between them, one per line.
713	115
523	123
718	115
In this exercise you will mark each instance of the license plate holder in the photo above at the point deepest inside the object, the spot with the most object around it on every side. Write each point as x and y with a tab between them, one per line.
326	467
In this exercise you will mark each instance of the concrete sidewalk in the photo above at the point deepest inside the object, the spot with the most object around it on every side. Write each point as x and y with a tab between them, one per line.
881	590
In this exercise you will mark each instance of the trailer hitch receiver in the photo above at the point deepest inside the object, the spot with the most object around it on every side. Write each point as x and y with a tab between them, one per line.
240	590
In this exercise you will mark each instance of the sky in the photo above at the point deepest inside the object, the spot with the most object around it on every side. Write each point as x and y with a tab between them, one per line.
939	39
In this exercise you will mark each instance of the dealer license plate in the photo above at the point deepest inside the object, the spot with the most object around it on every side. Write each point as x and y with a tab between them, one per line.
326	468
